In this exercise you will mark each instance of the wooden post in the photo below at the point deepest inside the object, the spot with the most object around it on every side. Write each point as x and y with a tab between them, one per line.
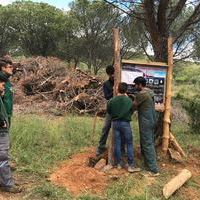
117	57
117	80
176	145
167	121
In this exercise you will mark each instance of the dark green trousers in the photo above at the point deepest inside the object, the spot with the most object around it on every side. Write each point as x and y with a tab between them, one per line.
146	126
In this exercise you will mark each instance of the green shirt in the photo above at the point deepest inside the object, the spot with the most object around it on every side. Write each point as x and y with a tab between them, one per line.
8	99
3	115
120	108
144	100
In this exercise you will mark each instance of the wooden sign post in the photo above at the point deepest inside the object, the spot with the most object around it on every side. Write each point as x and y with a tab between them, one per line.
117	80
117	63
166	120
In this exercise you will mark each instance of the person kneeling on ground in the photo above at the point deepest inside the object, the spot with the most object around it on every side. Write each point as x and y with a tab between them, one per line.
120	109
6	180
144	102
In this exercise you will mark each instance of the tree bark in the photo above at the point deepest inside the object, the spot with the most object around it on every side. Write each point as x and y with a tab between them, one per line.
117	78
156	26
167	120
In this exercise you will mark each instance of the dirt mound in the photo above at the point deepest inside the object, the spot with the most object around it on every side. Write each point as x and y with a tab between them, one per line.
77	177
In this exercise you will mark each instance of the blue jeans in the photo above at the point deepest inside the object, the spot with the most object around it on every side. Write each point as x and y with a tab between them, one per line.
123	128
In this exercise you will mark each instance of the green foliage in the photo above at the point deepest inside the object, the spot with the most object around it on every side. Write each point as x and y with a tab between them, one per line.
38	27
187	77
95	22
84	33
7	29
192	106
187	73
133	38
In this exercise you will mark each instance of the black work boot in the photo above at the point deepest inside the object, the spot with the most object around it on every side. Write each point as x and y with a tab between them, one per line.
13	189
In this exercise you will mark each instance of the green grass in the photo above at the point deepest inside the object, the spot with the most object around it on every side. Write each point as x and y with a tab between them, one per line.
185	136
50	139
40	143
187	79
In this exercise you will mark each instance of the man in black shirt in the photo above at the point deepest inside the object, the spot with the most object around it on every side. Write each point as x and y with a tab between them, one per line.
108	94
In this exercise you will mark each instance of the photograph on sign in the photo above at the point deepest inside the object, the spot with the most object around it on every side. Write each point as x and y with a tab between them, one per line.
155	76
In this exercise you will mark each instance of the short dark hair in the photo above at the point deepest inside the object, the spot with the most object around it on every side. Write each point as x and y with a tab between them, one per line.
122	88
110	70
140	80
4	62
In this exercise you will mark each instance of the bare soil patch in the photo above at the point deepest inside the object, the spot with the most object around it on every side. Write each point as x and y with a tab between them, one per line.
77	177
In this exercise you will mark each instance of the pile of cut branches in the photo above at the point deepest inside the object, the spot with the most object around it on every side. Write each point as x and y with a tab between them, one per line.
49	80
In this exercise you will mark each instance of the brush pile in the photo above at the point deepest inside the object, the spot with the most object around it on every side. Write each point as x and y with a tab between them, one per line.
49	82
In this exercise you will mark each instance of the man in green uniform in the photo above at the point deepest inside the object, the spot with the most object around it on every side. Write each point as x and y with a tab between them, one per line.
6	69
6	180
144	102
120	109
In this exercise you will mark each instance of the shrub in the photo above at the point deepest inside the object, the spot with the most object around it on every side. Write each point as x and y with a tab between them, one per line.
192	107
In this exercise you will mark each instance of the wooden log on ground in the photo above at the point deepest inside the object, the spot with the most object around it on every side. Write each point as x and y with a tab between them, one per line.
176	145
101	164
175	183
175	155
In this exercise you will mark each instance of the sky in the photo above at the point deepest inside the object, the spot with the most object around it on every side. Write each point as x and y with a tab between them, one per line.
62	4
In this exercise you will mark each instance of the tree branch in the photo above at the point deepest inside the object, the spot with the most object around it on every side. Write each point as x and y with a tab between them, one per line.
144	49
178	53
183	58
161	17
131	13
175	12
194	18
178	44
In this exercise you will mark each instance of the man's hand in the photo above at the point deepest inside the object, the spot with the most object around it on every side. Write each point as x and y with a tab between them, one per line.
5	125
2	93
135	104
132	96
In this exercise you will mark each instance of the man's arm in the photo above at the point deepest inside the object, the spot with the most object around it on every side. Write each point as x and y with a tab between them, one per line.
138	100
109	107
108	93
2	120
135	104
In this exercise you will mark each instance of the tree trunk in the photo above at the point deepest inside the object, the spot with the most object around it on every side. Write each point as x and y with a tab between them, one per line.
160	49
155	22
90	61
75	62
96	69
